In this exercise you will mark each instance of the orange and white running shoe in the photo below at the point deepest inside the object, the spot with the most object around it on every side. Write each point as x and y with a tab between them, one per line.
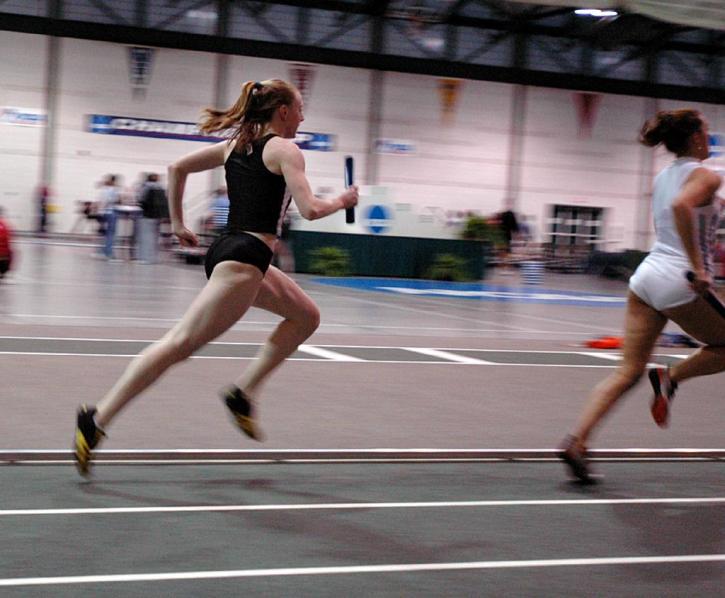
664	389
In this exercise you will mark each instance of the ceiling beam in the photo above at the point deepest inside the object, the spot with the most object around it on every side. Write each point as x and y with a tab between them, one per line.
368	60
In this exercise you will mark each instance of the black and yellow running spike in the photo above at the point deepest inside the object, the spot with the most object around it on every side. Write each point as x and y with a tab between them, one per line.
242	410
88	436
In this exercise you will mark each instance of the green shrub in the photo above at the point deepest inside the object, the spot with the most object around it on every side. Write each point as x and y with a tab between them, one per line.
330	261
477	229
448	267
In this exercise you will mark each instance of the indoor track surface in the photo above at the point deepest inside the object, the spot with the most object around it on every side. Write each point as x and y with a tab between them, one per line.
409	446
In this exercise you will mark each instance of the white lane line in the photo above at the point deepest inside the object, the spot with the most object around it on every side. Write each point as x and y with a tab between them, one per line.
398	568
361	506
91	317
107	340
613	355
138	285
328	358
340	461
446	356
50	353
381	451
618	357
609	356
327	354
342	358
121	319
131	355
144	462
245	323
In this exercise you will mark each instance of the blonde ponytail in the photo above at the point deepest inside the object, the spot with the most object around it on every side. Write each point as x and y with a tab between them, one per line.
254	108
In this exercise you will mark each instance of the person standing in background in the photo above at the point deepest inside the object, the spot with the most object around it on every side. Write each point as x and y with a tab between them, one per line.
108	198
154	208
6	249
218	211
43	201
284	257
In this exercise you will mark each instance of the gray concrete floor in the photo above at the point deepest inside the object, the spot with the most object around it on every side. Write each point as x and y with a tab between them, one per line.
62	315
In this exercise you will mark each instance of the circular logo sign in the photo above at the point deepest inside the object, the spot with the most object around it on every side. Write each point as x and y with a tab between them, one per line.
377	219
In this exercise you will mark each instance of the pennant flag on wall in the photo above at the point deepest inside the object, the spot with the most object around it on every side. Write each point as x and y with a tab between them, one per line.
449	90
140	61
302	75
586	105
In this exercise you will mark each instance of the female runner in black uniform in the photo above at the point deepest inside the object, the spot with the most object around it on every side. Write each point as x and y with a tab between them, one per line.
263	168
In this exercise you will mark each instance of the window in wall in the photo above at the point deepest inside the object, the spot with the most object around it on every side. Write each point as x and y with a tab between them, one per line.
573	233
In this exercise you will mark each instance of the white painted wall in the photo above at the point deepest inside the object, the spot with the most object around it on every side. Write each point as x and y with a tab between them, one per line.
560	166
22	73
94	79
458	165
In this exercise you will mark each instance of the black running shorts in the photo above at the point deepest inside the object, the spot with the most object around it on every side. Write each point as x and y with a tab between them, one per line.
238	247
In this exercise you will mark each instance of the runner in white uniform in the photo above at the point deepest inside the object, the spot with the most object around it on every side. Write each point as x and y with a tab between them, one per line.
660	280
686	216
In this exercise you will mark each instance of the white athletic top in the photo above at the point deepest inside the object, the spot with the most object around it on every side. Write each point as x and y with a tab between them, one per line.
660	279
667	186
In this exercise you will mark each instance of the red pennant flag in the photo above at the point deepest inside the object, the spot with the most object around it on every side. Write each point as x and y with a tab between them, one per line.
586	105
449	90
302	75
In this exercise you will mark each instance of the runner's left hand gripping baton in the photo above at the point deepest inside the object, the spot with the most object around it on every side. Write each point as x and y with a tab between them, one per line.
709	296
349	212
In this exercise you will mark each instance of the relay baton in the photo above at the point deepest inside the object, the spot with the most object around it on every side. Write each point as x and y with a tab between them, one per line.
709	296
349	212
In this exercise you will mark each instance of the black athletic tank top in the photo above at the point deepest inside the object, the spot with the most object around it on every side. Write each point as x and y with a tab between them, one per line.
257	197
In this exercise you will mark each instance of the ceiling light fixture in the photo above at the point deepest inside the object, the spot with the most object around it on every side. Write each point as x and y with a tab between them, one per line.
595	12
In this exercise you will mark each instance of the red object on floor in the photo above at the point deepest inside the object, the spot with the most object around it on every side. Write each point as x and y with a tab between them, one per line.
605	342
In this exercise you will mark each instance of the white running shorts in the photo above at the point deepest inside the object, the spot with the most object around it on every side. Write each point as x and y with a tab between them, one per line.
660	282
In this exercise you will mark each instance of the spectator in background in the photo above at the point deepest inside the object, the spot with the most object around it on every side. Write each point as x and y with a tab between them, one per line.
108	198
84	213
154	208
43	198
6	251
509	227
526	229
218	211
284	257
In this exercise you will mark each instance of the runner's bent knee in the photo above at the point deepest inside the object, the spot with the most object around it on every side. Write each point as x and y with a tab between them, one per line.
310	319
183	346
630	374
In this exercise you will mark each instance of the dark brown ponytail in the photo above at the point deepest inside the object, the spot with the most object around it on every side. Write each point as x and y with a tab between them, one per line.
253	109
673	128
